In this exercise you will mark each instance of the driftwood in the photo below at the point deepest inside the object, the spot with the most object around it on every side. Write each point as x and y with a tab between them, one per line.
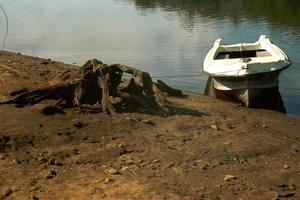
99	86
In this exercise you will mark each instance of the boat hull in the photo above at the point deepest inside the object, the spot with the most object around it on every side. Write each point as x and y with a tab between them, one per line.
256	91
251	81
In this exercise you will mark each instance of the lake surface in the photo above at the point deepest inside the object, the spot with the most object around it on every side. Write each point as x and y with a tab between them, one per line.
167	38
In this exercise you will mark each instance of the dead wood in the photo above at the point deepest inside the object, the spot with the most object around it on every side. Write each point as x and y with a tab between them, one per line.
97	86
169	90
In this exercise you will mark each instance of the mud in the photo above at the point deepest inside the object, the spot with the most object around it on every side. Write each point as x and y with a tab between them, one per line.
204	149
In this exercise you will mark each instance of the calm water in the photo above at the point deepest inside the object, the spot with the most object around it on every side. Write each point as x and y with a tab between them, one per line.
163	37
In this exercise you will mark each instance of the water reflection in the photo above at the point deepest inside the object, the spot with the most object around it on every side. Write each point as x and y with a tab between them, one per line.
163	37
269	98
284	12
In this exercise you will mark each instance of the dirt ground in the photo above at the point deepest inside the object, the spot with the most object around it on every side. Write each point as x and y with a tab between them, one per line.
208	149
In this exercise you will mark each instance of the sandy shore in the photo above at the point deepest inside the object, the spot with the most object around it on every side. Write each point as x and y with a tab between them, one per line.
210	149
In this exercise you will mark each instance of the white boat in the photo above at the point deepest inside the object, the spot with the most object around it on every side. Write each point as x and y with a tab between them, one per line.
244	70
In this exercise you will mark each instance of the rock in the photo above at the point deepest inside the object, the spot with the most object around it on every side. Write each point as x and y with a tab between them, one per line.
124	168
264	126
202	164
2	156
51	110
155	161
53	161
215	127
231	126
147	121
16	161
107	180
286	166
113	171
35	198
7	192
45	62
51	174
79	124
229	177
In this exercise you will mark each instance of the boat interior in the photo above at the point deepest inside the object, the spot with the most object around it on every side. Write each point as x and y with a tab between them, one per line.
242	54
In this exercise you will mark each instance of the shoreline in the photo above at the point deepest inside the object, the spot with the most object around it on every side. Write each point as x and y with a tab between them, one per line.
207	149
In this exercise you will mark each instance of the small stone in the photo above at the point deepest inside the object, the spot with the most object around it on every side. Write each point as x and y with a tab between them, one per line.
6	193
229	177
16	161
202	164
124	168
231	126
155	161
44	62
35	198
2	156
53	161
113	171
215	127
107	180
51	174
264	126
147	121
19	53
286	166
79	124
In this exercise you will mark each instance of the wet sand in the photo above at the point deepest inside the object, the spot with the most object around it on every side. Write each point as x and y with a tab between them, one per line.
208	149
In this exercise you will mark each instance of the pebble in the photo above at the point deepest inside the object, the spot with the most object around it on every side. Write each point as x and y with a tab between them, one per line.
51	174
79	124
2	156
6	193
286	166
44	62
113	171
147	121
229	177
107	180
124	168
52	161
231	126
35	198
16	161
215	127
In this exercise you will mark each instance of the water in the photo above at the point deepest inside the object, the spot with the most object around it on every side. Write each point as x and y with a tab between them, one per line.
163	37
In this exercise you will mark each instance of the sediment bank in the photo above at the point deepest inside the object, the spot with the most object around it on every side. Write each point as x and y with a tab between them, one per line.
207	149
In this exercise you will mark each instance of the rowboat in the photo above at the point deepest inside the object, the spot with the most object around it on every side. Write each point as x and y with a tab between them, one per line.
244	70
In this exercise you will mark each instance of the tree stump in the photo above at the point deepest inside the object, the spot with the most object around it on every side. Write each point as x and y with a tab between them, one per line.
99	86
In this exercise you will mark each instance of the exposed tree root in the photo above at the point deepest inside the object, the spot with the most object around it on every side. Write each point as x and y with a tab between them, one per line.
99	86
